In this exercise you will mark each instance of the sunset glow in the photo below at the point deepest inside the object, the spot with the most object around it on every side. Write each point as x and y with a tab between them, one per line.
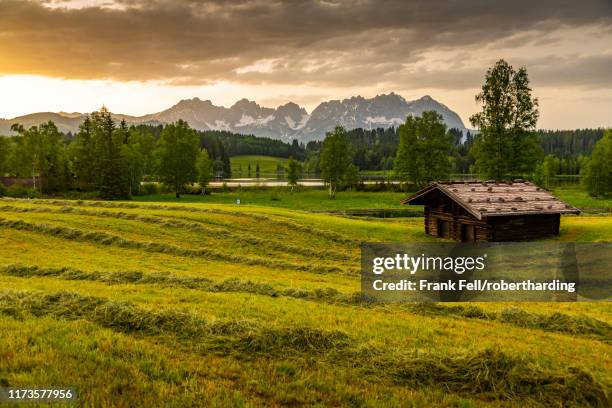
142	57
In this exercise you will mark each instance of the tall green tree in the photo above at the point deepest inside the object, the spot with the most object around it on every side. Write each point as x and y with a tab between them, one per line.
293	171
39	153
84	156
351	177
335	159
507	145
104	158
142	139
546	171
133	165
177	152
205	169
112	178
424	150
6	148
597	173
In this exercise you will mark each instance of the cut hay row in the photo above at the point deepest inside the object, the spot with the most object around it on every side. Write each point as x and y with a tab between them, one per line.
493	375
558	322
490	374
191	226
103	238
555	322
330	235
126	317
329	295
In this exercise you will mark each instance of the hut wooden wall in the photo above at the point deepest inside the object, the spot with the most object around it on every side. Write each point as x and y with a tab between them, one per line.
520	227
440	208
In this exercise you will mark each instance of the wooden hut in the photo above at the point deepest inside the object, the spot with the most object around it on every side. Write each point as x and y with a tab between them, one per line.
490	211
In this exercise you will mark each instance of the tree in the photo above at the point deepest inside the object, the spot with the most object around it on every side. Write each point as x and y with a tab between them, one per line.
5	154
546	171
133	166
177	151
351	176
205	168
142	139
507	145
335	159
423	154
39	153
107	157
54	166
84	157
597	173
113	180
407	166
293	172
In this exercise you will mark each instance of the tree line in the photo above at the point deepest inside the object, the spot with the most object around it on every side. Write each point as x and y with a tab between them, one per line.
236	144
376	149
109	157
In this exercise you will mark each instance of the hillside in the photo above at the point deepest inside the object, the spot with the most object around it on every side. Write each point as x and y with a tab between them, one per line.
204	305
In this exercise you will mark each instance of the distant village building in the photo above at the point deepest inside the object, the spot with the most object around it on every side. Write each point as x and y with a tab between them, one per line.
490	211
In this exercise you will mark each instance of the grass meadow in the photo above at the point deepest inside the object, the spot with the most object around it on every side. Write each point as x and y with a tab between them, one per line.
578	197
303	198
316	199
217	304
267	165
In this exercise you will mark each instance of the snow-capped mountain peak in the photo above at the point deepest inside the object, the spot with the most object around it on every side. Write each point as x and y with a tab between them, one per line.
286	122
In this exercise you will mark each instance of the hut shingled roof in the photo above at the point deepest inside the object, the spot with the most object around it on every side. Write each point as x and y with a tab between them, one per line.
494	199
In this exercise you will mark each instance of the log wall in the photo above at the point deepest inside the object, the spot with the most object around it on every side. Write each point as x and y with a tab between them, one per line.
445	218
521	227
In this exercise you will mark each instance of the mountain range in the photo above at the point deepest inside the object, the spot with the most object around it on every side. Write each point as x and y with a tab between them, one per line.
287	122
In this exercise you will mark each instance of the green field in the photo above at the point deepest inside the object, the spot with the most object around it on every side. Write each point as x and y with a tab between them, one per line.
163	304
578	197
308	199
267	165
301	199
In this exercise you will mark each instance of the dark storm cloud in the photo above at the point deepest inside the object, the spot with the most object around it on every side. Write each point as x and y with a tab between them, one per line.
340	43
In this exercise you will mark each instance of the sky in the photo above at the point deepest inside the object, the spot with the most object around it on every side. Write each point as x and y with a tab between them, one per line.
143	56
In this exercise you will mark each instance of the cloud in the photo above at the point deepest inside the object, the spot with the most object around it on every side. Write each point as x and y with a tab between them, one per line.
322	43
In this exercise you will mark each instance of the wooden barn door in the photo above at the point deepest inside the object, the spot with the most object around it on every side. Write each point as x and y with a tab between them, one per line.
443	228
467	233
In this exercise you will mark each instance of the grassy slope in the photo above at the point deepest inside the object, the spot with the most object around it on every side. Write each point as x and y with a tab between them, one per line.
202	329
267	165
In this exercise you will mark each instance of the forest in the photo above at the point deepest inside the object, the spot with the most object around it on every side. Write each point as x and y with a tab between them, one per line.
376	149
373	149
